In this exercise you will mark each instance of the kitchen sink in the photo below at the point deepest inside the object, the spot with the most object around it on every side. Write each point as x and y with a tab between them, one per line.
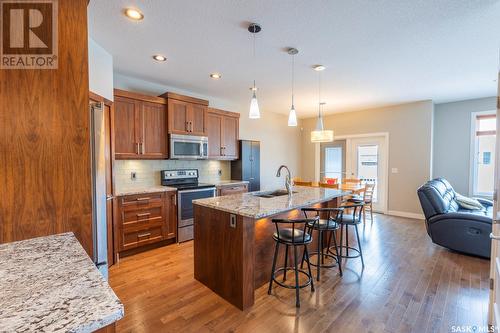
271	194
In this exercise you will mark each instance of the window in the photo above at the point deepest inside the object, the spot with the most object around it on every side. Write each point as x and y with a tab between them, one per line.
483	153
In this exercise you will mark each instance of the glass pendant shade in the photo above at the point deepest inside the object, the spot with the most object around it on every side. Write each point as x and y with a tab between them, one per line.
320	134
292	117
254	108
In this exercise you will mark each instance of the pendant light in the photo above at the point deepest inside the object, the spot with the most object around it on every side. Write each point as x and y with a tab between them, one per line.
320	134
292	117
254	113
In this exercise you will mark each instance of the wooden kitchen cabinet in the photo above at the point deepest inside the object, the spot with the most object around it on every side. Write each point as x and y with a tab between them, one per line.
140	126
222	132
145	219
186	115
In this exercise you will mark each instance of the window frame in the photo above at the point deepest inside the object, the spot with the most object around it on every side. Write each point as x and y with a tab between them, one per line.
473	153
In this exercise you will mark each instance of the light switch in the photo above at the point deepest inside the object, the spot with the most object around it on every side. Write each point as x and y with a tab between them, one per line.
394	170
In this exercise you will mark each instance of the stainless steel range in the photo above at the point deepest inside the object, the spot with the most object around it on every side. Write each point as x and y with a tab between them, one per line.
188	189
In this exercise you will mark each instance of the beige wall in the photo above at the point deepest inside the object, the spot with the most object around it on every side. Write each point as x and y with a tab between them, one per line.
280	144
452	128
410	149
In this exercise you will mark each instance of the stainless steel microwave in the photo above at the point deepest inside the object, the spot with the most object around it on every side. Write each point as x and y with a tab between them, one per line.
188	147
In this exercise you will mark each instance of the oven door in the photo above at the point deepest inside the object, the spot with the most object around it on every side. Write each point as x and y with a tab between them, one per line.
185	211
188	147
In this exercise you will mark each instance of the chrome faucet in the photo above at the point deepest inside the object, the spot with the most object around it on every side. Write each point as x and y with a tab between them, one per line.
288	179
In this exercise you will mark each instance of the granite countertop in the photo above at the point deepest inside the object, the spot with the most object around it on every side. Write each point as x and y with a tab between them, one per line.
49	284
144	190
231	182
249	205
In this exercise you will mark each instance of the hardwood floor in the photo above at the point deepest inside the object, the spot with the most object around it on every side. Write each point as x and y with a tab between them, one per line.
408	285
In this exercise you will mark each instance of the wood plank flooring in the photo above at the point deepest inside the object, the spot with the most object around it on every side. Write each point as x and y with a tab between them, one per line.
408	285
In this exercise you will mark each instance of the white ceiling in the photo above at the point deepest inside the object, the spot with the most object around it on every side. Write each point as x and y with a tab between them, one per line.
377	52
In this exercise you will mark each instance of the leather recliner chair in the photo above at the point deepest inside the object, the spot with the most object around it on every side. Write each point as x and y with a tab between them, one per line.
449	225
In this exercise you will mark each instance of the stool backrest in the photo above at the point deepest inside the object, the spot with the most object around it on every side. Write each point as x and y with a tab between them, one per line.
357	210
334	214
299	225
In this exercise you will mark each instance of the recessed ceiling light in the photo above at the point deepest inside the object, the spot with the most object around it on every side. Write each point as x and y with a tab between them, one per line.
319	68
159	57
134	14
215	76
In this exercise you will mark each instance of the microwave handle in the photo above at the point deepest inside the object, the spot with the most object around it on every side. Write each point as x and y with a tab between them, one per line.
202	150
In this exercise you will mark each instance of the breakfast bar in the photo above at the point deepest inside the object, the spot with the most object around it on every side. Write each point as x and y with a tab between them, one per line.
233	245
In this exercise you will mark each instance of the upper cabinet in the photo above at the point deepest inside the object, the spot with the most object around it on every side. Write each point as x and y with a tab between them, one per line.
186	115
140	126
223	129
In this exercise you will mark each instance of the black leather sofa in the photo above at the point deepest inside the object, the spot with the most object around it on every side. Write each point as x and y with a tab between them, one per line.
449	225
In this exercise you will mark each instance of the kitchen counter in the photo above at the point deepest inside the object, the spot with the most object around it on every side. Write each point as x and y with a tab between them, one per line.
49	284
145	190
233	238
222	183
249	205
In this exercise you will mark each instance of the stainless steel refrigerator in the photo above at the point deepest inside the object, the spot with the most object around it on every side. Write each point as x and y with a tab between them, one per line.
98	167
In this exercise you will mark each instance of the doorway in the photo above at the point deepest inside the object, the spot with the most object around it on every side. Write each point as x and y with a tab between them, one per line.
365	157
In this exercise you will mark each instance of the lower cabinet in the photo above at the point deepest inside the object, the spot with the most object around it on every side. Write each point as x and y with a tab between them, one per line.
232	189
145	219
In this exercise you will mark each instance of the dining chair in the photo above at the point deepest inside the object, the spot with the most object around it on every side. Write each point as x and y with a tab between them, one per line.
352	181
366	199
301	183
326	185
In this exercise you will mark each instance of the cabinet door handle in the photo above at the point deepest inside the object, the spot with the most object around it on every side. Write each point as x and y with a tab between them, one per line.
143	149
191	126
138	151
187	126
143	214
146	234
143	199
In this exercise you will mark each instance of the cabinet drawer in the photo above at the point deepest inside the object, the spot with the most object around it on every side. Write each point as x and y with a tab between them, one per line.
134	215
132	239
227	190
141	202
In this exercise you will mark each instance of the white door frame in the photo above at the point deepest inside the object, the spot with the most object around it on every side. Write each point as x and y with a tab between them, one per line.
385	153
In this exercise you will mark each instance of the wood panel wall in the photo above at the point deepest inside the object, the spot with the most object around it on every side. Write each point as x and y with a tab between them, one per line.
44	140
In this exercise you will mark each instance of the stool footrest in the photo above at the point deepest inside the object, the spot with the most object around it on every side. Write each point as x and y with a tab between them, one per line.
357	255
292	269
326	254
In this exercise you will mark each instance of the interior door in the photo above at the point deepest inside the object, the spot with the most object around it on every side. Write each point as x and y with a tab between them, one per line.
366	160
494	310
154	131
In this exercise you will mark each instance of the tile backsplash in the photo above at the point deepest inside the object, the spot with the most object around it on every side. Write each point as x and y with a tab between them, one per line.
148	171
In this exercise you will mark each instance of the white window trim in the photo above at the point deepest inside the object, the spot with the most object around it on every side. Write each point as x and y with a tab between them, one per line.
473	156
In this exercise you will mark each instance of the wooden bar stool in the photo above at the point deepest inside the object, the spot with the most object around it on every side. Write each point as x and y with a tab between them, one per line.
295	236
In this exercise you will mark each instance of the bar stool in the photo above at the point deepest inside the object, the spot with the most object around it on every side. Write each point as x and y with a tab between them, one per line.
347	220
294	236
325	225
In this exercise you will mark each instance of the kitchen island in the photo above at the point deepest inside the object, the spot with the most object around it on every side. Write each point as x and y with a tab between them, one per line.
233	245
49	284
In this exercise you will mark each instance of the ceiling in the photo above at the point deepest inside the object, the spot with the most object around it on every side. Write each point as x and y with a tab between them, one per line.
376	52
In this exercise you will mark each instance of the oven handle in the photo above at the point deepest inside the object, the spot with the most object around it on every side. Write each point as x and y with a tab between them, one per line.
179	198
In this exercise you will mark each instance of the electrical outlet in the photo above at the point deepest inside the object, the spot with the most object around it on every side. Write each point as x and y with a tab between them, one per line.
232	221
219	172
133	175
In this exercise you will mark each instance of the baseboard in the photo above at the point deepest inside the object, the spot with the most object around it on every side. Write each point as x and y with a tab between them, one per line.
406	214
